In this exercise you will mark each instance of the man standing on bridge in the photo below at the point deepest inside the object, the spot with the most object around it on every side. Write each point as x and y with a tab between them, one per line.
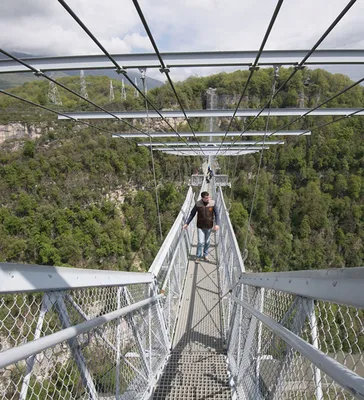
206	210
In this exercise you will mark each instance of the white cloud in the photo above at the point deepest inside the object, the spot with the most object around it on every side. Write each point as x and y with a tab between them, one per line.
137	41
44	27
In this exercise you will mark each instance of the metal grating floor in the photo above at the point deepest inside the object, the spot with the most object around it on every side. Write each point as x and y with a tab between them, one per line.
197	366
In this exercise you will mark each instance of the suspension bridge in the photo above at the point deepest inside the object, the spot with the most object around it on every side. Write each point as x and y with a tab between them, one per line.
186	329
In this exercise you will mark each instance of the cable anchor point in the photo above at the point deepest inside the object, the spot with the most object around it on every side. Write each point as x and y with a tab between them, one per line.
121	71
164	70
38	73
276	68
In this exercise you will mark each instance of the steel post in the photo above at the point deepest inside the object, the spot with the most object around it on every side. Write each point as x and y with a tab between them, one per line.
315	343
138	341
259	341
46	305
76	350
118	344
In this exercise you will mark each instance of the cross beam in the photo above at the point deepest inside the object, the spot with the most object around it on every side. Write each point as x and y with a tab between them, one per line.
212	149
210	144
251	112
187	59
205	134
215	152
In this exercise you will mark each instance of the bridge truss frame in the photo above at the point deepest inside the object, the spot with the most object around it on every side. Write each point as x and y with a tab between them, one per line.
281	330
279	325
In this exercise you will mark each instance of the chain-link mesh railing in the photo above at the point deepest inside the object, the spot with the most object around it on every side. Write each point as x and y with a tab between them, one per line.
197	180
220	180
170	264
231	265
87	343
264	365
78	334
263	362
119	357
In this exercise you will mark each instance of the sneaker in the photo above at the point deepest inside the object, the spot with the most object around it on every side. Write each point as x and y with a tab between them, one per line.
206	258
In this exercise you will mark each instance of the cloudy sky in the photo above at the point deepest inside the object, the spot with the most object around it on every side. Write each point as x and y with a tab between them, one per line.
43	26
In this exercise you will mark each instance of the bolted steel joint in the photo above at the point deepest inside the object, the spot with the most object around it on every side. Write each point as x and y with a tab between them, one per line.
164	70
38	73
254	68
299	67
121	71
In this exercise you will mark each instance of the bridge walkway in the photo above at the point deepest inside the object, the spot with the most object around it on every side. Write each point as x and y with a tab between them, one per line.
197	366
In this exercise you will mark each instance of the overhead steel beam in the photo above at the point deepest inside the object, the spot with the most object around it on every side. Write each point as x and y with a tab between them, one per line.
251	112
187	59
209	144
214	134
209	152
213	148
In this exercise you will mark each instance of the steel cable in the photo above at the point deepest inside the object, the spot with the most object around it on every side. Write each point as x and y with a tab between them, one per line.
259	165
317	107
300	65
40	73
118	68
53	111
164	69
153	166
254	67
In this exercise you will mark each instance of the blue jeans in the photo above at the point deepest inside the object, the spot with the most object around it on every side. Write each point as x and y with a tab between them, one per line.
203	236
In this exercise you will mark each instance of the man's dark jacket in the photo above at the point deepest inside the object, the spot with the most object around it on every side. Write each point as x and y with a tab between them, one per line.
205	214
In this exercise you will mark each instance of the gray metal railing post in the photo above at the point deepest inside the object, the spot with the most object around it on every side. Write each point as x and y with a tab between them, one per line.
239	322
248	348
150	317
118	344
259	341
136	334
46	305
315	343
75	349
297	312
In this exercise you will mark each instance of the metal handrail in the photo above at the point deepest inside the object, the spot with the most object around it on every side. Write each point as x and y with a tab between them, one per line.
170	266
175	230
231	229
16	278
349	380
340	286
24	351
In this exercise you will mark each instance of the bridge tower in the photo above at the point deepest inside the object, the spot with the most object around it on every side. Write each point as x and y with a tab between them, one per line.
53	93
136	93
123	91
111	95
83	85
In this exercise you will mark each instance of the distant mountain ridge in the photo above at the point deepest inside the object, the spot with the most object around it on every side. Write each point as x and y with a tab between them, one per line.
8	81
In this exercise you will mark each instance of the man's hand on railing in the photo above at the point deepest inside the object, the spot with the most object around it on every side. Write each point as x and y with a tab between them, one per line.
216	228
184	226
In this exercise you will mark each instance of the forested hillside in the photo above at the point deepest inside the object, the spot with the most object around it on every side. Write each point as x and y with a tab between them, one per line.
57	192
60	200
